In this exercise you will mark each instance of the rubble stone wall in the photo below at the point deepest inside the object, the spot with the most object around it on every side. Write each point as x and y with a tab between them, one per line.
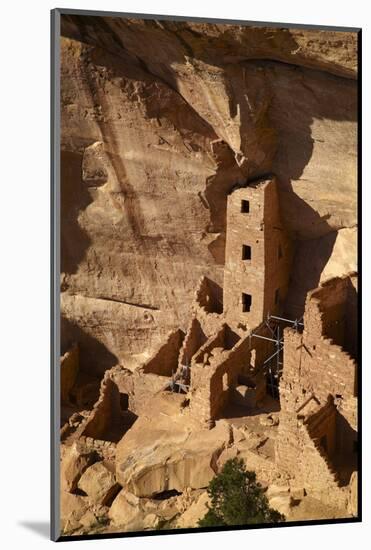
318	399
320	368
335	304
194	339
299	455
217	340
105	411
211	385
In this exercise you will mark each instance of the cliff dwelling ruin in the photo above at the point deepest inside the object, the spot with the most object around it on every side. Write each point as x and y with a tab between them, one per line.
291	383
203	321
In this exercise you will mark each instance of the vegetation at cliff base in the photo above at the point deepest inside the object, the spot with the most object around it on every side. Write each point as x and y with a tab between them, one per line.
236	498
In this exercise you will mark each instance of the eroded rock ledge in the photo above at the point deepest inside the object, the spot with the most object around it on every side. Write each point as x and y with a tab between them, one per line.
161	123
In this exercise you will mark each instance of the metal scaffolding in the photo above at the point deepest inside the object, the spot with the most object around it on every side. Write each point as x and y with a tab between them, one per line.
180	380
272	366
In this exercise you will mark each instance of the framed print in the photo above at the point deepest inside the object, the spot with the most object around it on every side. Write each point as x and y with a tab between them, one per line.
206	363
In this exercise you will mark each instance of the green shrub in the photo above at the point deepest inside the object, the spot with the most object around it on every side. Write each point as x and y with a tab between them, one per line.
237	499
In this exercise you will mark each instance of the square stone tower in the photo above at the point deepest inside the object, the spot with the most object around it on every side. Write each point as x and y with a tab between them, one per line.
258	255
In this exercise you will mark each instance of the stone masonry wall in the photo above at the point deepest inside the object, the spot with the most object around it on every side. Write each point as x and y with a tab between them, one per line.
319	368
211	384
194	339
264	276
335	304
205	352
302	458
244	276
317	388
105	411
225	360
328	304
97	422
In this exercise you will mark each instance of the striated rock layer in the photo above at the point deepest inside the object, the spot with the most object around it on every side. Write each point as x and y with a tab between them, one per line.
159	121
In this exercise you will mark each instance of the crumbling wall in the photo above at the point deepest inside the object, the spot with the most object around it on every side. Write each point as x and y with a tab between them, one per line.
212	384
300	447
105	412
325	369
206	351
69	371
106	420
226	360
325	317
209	296
306	463
331	311
317	367
209	320
165	360
317	385
225	339
194	339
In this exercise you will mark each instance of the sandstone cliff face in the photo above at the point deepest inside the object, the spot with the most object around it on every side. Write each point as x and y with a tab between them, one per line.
159	121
